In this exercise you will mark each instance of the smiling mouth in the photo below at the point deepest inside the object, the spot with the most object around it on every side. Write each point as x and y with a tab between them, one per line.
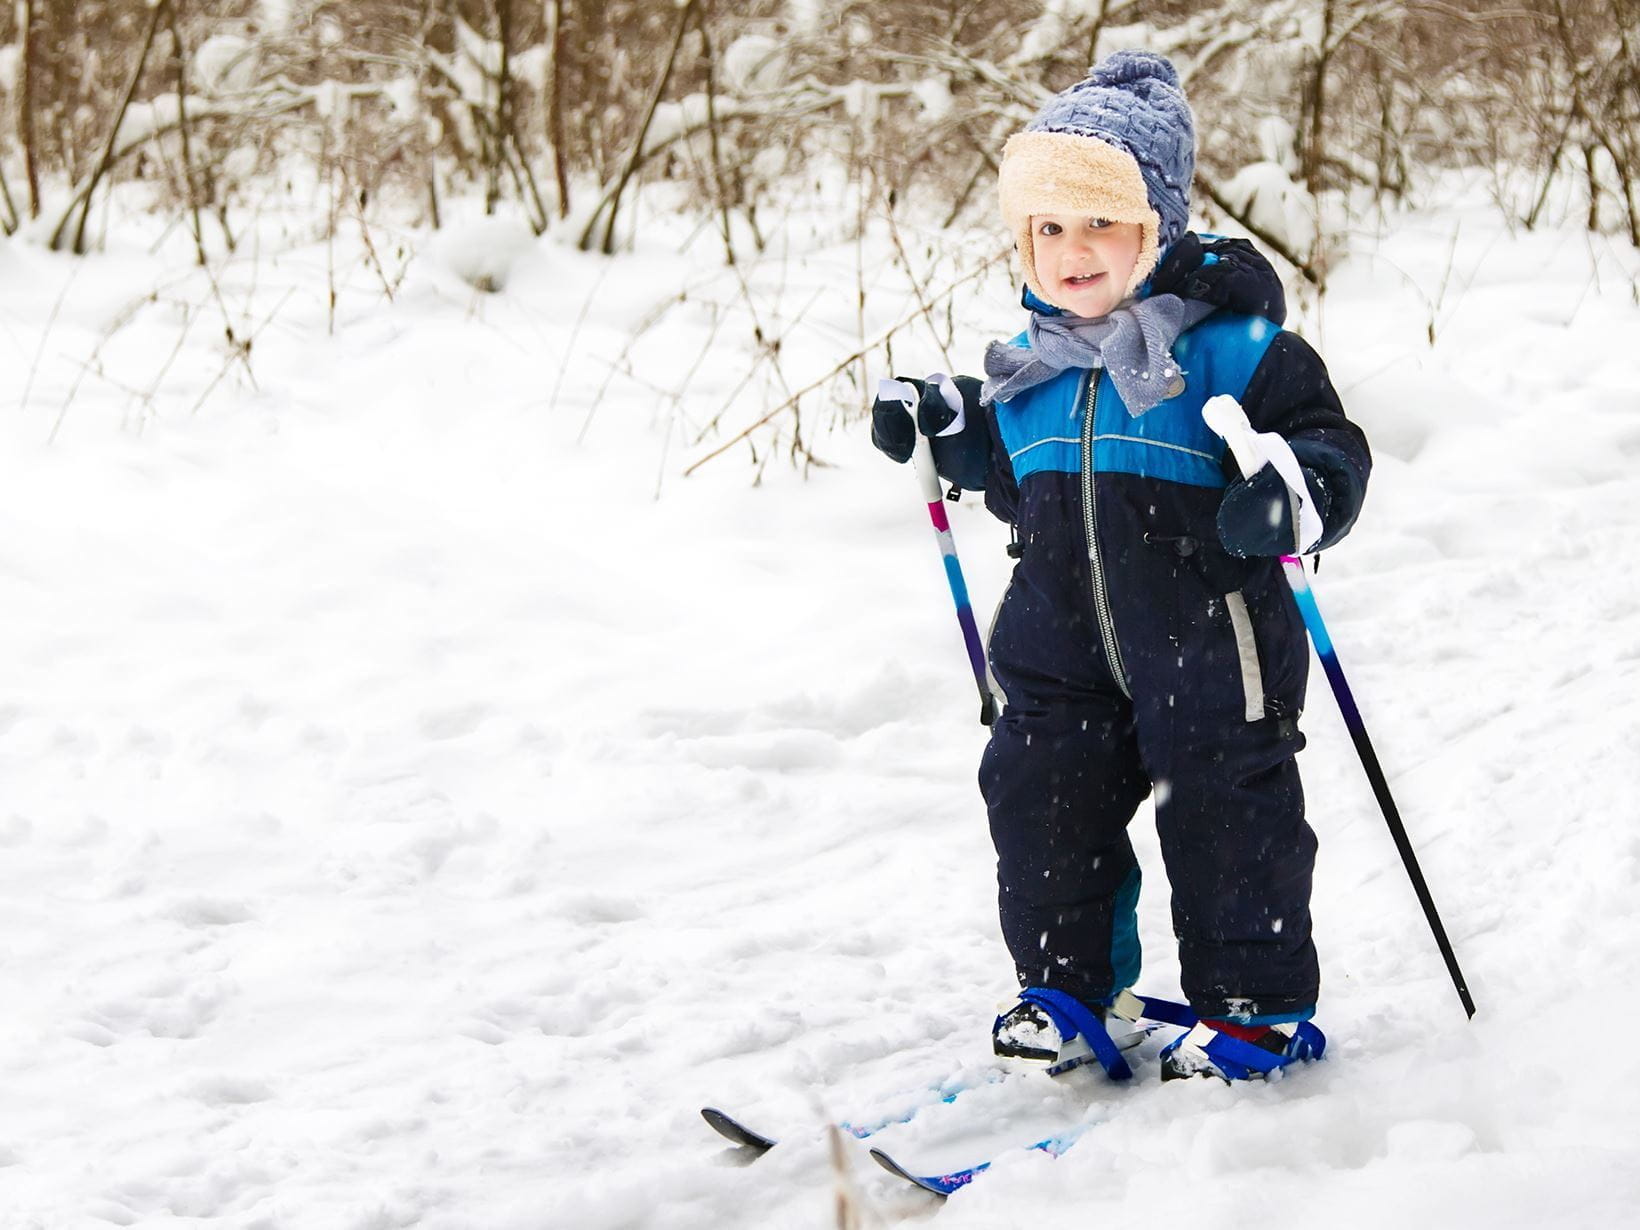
1080	280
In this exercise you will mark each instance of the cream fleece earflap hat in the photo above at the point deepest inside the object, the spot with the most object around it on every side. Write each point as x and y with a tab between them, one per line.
1119	145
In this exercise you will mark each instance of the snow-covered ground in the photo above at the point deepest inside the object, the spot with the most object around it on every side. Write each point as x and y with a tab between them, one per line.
410	820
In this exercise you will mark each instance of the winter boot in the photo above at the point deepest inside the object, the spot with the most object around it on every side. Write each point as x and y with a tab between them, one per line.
1051	1027
1234	1052
1025	1031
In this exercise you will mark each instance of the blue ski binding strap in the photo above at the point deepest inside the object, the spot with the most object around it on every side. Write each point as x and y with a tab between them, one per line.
1237	1060
1071	1017
1164	1010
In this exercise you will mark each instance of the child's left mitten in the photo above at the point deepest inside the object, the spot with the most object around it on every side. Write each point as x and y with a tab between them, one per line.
960	449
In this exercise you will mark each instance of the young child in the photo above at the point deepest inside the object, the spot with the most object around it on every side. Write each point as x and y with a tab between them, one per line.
1147	643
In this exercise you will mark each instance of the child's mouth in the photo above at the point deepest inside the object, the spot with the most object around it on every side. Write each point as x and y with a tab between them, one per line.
1079	280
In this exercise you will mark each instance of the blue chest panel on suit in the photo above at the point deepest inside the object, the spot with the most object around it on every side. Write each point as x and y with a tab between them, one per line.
1042	427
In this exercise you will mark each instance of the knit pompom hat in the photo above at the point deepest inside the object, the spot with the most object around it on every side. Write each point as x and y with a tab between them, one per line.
1119	145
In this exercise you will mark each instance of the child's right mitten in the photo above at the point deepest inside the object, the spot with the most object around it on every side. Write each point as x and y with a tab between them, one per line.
892	429
961	451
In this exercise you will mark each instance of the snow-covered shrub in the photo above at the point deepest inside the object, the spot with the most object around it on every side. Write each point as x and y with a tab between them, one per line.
567	106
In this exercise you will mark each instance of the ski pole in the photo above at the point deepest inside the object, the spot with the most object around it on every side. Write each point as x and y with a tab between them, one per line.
1225	416
922	458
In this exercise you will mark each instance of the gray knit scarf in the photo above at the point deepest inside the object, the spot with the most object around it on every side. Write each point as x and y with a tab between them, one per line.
1134	344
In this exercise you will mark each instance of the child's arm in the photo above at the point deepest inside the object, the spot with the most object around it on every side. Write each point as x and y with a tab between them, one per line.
1290	394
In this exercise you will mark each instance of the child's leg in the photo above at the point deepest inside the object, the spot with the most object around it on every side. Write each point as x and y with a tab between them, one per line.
1239	858
1061	783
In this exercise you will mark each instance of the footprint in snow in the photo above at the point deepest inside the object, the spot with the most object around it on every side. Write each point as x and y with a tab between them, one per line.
168	1008
202	912
455	722
601	908
224	1090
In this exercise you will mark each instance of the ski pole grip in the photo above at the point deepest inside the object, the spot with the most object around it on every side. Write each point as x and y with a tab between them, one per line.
928	478
922	455
1226	417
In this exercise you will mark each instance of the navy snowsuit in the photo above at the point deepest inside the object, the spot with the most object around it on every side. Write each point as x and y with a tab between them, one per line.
1156	663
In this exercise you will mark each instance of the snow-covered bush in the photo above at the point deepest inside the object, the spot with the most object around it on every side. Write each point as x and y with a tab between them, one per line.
566	106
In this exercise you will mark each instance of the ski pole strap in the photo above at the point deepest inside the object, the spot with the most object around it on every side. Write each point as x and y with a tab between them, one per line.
1070	1017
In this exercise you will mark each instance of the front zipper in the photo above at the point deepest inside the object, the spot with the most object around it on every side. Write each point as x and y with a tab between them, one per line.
1096	567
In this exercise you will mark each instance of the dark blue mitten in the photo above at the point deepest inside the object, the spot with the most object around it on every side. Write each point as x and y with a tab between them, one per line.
1256	514
892	430
960	458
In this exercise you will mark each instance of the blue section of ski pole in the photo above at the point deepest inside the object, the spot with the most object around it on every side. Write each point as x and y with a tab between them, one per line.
1310	611
934	500
959	587
1307	606
965	609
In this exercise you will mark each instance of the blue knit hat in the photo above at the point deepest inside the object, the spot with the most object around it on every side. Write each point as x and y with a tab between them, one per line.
1120	144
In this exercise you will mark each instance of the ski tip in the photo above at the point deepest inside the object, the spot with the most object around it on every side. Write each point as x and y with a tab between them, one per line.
731	1129
937	1185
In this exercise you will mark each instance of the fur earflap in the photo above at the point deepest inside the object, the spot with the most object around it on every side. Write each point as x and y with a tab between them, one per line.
1057	172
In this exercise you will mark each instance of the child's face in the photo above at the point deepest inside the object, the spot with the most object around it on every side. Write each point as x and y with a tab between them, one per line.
1084	263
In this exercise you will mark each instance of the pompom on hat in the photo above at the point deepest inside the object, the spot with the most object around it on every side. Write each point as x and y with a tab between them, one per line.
1119	145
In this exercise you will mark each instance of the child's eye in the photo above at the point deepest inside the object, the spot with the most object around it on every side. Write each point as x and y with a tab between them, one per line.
1048	228
1099	224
